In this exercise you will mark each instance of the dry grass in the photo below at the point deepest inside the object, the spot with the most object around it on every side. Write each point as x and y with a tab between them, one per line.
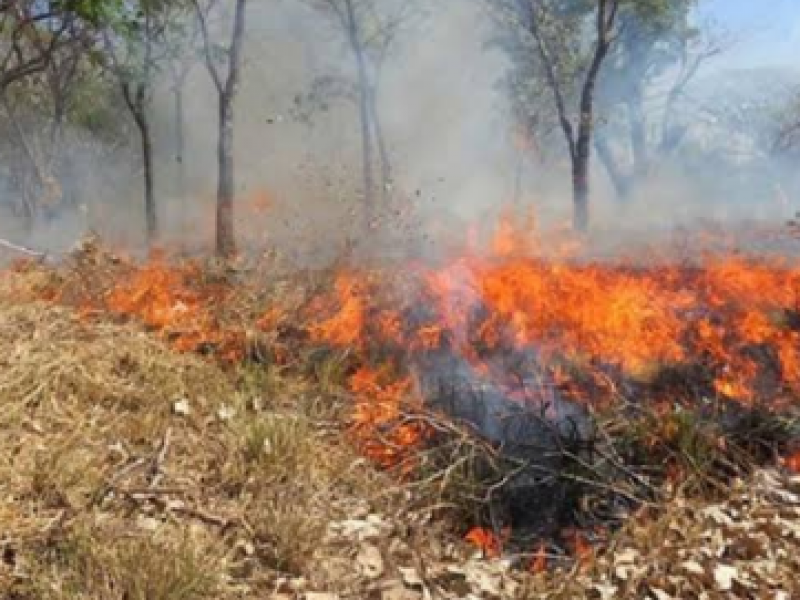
130	471
85	565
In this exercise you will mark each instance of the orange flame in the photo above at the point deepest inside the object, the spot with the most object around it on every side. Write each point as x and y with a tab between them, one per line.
539	561
737	320
487	541
792	462
159	295
724	314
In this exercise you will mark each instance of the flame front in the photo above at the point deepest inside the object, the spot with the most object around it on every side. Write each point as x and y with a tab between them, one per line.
591	325
735	320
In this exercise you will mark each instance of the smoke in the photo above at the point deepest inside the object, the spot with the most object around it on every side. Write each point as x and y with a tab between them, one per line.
450	132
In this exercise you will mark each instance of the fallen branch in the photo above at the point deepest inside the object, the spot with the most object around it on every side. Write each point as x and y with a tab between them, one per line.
22	249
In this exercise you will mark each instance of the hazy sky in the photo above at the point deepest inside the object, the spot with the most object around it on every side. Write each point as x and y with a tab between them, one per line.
767	32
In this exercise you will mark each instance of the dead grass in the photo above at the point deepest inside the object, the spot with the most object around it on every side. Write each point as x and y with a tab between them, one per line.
86	565
130	471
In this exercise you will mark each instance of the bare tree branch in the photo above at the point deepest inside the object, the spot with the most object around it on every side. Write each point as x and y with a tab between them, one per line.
209	58
550	73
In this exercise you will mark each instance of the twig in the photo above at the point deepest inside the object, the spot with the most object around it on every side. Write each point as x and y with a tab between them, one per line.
189	511
156	469
156	497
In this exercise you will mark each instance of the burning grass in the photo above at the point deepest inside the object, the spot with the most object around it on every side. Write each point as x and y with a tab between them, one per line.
254	424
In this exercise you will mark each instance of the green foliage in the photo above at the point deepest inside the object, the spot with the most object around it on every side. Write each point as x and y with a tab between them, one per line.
95	107
95	12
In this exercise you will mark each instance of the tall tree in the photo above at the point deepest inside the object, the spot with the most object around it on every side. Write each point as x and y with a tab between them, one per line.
658	49
225	72
370	30
549	38
181	42
62	79
33	34
130	39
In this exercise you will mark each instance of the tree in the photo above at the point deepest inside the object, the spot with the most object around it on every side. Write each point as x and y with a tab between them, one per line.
785	138
130	38
181	42
658	48
370	32
548	37
62	79
34	33
225	74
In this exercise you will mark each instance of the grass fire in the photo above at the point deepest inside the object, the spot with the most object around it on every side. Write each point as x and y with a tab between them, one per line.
344	299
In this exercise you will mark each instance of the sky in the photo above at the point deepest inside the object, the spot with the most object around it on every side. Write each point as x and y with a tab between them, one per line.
766	32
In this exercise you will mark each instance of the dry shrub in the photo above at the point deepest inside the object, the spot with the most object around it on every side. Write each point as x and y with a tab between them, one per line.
700	448
294	477
86	409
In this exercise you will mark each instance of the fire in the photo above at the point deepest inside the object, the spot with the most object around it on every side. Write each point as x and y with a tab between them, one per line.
487	541
525	304
539	561
581	549
346	326
735	320
160	296
377	410
792	462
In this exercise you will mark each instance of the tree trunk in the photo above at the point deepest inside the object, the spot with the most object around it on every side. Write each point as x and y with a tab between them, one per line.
581	163
225	234
180	143
636	122
364	114
620	180
383	151
30	206
60	163
226	93
366	157
581	157
580	192
151	216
